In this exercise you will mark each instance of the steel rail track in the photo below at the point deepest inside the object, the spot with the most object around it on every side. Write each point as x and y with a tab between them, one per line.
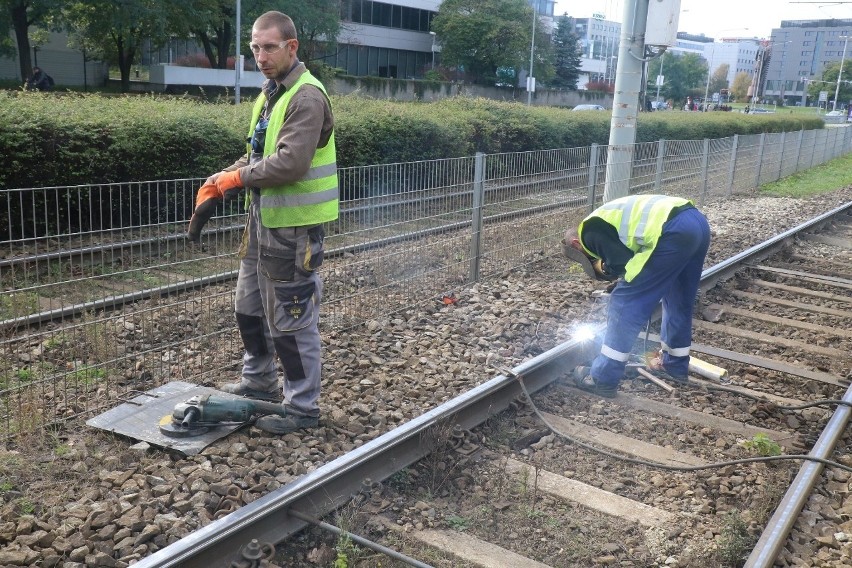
322	491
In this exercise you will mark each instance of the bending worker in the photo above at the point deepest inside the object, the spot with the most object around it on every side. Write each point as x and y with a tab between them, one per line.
290	172
654	246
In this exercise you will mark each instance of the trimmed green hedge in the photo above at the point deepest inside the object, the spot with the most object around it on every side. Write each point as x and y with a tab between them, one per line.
54	139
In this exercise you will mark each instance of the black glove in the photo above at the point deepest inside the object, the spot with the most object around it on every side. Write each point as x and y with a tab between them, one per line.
601	271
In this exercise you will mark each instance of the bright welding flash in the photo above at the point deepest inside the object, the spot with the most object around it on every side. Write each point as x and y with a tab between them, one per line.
584	332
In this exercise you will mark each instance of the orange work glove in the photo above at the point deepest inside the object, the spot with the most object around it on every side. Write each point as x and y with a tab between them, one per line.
209	195
229	180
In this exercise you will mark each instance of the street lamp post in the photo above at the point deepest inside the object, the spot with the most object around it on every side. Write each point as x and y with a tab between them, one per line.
840	73
433	49
709	72
530	78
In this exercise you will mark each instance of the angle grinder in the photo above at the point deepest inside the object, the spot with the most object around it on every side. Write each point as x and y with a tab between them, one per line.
200	413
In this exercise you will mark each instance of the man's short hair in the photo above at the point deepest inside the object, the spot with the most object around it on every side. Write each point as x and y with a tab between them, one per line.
278	20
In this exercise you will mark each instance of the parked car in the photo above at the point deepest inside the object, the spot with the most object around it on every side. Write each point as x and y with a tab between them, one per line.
588	107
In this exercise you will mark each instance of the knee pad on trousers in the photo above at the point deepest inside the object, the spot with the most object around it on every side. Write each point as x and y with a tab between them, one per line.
251	332
288	353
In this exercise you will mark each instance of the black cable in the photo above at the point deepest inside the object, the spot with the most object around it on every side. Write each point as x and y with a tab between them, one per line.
672	467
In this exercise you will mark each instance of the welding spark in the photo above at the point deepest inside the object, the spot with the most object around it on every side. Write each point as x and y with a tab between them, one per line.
583	332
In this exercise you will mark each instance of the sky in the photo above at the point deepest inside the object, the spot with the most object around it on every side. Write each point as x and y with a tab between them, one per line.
722	18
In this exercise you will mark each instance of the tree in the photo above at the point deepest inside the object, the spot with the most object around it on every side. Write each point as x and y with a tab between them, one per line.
683	74
566	48
482	36
20	16
739	89
213	23
719	80
113	30
828	83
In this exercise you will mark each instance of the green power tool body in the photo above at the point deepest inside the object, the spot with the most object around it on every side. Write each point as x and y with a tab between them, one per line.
200	413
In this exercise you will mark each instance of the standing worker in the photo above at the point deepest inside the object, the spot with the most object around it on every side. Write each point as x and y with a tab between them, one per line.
290	173
655	246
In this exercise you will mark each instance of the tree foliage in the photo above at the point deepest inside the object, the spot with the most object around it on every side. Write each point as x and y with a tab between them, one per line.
19	16
114	30
683	74
566	54
739	89
719	80
828	82
482	36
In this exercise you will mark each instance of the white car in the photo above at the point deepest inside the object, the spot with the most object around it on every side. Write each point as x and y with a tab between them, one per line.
588	107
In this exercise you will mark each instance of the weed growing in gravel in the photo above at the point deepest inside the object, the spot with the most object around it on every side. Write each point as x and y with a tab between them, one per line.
458	523
735	543
762	445
439	463
25	506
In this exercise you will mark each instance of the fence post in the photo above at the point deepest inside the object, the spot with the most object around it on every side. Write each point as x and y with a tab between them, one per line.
593	174
759	159
476	212
781	157
661	151
732	166
705	165
799	147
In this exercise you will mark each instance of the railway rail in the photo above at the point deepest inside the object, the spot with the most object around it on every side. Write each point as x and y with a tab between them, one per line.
775	316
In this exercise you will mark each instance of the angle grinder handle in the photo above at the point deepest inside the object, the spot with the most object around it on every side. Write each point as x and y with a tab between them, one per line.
263	407
190	417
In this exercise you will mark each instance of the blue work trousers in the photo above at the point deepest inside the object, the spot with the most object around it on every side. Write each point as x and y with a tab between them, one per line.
671	274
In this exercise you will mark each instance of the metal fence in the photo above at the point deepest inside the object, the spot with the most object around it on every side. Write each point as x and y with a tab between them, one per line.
103	295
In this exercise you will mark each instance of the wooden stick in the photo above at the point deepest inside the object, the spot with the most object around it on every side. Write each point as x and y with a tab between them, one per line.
659	382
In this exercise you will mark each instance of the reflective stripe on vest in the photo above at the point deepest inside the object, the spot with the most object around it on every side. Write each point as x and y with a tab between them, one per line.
313	199
639	221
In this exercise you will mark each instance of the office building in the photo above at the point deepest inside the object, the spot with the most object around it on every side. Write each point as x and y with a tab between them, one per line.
798	52
599	39
393	39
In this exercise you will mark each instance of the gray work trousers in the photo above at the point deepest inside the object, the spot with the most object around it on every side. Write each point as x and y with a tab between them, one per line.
277	310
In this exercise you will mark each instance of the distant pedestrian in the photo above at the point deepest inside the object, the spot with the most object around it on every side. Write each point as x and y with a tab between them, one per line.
39	81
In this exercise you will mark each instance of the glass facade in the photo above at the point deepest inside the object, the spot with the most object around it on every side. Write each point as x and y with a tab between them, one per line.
387	15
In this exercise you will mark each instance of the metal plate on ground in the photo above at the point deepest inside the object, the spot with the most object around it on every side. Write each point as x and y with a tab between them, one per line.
139	418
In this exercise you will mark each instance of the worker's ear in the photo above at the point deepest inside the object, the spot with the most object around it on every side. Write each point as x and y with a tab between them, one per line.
575	243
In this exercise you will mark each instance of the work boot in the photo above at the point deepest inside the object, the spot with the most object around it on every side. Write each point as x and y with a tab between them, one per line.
241	389
290	422
584	381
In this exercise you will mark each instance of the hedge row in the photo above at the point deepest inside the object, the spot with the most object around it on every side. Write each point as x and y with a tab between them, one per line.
52	139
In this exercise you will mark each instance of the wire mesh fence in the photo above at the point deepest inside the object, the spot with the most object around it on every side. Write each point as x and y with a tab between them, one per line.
105	297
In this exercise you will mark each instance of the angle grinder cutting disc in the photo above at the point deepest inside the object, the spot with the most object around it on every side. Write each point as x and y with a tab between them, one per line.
169	427
579	257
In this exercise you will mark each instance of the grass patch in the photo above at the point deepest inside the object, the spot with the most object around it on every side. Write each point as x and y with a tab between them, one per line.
824	178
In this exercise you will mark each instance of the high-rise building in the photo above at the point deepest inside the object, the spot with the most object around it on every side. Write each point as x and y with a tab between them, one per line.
798	52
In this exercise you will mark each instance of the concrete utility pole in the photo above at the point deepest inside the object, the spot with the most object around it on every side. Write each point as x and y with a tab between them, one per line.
530	78
625	105
238	61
